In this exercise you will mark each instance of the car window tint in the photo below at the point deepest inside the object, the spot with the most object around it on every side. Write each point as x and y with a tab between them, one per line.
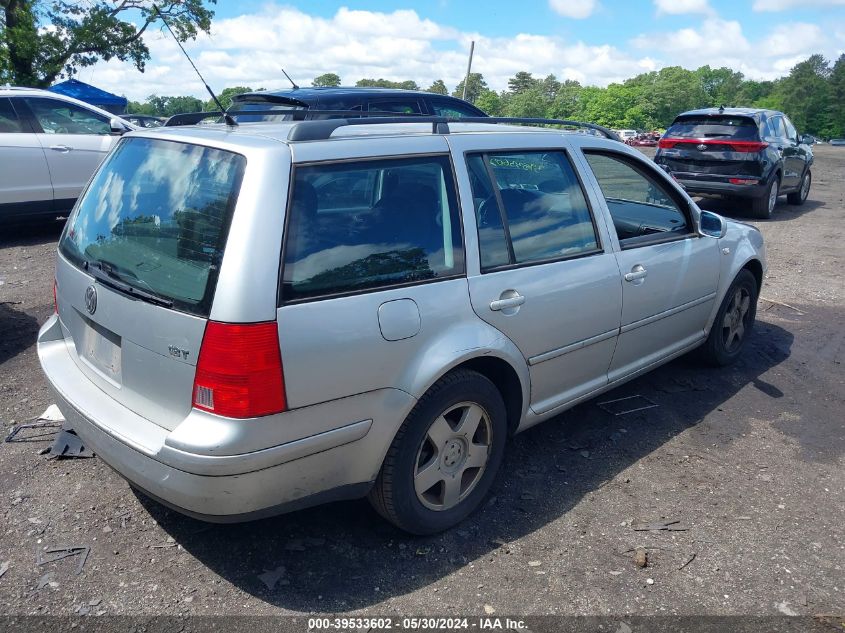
544	212
9	121
642	207
779	127
61	117
791	133
404	106
355	226
451	109
734	127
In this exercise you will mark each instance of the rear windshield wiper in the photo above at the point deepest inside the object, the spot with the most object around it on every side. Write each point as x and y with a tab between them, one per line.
106	273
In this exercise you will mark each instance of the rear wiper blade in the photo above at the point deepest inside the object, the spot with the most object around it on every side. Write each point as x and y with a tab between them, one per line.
105	273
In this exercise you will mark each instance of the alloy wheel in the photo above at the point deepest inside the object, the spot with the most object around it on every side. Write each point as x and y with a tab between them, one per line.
734	323
453	456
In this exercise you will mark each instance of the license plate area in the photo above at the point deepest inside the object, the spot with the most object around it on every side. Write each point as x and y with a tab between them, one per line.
100	349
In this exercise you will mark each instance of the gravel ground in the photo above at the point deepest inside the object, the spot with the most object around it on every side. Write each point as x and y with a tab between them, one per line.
749	461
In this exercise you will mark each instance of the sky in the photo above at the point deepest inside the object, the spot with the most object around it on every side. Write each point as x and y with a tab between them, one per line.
596	42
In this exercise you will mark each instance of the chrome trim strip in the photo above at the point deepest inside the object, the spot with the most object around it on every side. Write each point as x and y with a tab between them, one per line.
573	347
667	313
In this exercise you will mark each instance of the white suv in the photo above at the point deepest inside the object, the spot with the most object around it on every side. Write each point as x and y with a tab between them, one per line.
50	146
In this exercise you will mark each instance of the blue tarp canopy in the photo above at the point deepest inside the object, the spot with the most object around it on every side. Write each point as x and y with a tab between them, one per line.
91	94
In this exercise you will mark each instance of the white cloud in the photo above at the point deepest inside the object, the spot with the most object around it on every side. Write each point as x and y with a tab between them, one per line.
783	5
576	9
680	7
797	38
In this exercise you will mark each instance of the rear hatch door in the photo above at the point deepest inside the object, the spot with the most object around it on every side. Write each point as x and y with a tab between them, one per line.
712	146
137	270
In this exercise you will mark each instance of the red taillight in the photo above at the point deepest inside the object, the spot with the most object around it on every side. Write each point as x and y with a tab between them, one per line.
743	181
239	370
717	144
55	299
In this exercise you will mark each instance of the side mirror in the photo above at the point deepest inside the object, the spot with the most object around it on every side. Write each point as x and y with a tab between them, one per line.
118	128
712	224
806	139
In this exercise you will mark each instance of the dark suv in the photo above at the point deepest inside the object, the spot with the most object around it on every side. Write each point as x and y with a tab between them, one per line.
738	152
346	99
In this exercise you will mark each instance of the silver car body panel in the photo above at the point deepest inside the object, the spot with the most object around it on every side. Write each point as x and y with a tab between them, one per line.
355	365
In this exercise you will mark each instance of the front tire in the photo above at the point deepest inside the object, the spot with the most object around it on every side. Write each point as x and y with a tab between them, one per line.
800	197
445	456
734	322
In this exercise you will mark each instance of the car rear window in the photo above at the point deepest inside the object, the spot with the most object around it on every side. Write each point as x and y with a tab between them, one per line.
362	225
734	127
158	213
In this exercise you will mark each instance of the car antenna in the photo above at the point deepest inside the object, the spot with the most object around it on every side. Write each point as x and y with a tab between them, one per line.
292	82
226	117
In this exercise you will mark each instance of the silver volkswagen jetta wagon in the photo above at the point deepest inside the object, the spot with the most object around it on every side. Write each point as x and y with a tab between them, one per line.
255	319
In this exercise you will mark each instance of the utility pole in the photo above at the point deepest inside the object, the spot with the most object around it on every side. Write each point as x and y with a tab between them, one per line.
469	68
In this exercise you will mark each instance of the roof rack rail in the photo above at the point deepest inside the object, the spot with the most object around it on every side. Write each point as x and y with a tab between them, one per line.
314	130
192	118
315	125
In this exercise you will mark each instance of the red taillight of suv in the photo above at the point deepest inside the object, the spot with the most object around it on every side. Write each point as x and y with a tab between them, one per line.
239	370
716	144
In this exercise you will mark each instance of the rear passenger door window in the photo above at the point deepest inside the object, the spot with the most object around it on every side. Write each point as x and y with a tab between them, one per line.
644	210
367	224
530	208
62	117
401	106
451	109
9	121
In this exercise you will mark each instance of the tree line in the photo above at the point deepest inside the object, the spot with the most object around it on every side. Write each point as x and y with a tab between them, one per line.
812	94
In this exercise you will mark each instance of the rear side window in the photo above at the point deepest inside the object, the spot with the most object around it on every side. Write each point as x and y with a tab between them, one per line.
403	106
157	214
9	122
61	117
529	208
358	226
734	127
642	208
443	107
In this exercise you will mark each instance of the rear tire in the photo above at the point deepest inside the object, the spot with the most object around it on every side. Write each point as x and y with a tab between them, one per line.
800	197
734	322
445	456
764	206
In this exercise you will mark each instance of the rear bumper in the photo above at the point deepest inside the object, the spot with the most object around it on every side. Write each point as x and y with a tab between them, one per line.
695	186
335	464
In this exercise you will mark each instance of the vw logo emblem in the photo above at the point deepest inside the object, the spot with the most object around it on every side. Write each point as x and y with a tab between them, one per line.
91	299
701	147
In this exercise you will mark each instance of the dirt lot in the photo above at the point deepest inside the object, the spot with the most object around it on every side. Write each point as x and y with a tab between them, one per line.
748	459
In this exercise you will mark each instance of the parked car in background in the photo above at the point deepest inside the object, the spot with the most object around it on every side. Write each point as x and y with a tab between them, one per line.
442	286
627	135
50	146
738	152
143	120
837	141
351	99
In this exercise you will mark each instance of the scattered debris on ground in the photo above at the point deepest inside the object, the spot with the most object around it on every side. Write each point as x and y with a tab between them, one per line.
669	526
60	553
628	404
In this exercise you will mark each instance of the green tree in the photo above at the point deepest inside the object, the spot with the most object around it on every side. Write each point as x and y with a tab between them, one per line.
521	82
722	85
475	86
41	40
386	83
490	103
566	101
550	86
438	87
225	97
531	103
805	94
327	80
168	106
836	100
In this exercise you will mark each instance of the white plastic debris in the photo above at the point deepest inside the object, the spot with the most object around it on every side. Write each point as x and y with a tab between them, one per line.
52	414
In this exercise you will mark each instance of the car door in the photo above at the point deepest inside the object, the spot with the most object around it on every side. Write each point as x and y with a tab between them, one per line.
670	274
540	267
25	185
794	155
75	141
782	143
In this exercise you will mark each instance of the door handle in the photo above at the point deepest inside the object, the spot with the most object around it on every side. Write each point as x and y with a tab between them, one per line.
64	149
637	272
504	304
